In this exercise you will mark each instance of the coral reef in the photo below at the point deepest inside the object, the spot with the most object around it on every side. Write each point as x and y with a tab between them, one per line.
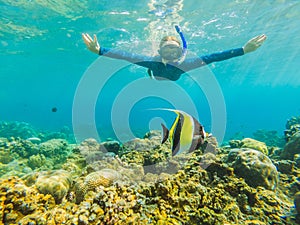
270	137
139	182
25	131
17	129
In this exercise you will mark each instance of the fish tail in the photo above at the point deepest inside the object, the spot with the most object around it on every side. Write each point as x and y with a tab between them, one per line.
165	134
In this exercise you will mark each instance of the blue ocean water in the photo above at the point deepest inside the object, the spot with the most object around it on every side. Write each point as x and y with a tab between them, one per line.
44	64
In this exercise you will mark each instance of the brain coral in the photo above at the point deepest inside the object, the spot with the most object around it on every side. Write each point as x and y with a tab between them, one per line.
57	183
255	167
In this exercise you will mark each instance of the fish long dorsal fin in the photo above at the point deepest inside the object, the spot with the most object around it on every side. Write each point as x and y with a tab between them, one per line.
165	134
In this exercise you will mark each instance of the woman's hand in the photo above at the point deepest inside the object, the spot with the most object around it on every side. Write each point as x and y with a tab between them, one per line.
91	44
254	43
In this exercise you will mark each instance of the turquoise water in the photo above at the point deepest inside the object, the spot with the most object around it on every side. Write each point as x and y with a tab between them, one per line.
44	61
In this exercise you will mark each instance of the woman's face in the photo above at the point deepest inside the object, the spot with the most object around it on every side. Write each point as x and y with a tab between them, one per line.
170	51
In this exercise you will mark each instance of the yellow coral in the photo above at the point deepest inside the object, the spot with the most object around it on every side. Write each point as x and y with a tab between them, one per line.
254	144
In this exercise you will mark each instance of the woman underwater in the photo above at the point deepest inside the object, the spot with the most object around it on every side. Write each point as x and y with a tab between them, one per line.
171	61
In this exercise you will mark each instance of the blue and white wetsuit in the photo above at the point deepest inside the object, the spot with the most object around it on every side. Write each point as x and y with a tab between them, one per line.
170	71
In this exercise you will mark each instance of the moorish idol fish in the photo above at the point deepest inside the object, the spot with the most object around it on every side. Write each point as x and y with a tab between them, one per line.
186	133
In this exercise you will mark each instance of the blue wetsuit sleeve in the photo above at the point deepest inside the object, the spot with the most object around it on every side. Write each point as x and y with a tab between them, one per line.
142	60
196	62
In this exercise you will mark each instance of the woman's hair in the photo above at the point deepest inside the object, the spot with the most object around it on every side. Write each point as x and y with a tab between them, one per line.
169	38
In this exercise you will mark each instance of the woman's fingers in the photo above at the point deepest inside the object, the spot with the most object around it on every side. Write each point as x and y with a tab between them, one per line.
95	39
260	38
87	38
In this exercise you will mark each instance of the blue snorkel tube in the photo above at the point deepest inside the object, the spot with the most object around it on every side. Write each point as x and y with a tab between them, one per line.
184	45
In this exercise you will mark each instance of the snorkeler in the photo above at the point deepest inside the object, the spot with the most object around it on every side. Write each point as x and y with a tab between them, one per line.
171	61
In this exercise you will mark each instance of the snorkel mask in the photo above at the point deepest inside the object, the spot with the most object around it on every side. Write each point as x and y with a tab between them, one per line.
171	49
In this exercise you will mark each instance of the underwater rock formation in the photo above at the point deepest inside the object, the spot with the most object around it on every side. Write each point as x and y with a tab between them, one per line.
285	166
111	146
210	145
292	147
297	202
292	127
255	167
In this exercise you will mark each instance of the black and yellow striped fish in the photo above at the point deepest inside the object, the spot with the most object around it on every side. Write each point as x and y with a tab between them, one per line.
186	133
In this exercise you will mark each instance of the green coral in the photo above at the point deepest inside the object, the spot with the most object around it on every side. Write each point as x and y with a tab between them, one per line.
37	161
